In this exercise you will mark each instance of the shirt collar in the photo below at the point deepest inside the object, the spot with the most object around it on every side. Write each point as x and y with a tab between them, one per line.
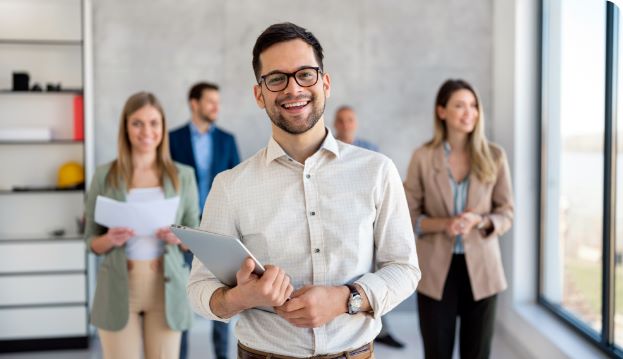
195	131
274	150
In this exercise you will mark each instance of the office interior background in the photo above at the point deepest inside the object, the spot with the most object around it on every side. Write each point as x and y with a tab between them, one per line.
547	72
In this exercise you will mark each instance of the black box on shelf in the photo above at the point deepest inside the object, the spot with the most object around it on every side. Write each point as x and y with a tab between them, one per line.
21	81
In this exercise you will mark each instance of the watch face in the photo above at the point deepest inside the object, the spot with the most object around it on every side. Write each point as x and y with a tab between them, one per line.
354	304
357	302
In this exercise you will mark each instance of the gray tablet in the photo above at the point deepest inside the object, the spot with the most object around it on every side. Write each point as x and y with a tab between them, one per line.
221	254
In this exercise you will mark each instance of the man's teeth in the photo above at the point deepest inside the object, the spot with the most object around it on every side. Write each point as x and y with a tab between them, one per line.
295	104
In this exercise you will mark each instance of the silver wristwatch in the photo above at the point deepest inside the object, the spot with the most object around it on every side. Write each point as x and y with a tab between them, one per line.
354	300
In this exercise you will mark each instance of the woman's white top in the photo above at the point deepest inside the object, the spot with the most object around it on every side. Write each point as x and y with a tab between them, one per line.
144	247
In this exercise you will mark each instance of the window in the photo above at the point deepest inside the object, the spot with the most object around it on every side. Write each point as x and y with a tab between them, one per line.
581	253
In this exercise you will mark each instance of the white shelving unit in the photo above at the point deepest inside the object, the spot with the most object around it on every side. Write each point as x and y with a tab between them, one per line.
44	278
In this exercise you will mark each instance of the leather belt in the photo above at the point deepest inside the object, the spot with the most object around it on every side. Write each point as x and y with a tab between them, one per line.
245	352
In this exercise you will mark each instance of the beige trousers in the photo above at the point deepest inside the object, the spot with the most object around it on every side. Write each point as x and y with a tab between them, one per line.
149	333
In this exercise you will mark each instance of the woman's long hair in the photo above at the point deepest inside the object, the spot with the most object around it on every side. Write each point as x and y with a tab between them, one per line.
482	162
123	168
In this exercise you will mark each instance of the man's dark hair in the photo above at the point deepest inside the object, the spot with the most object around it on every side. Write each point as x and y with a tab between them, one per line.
277	33
197	90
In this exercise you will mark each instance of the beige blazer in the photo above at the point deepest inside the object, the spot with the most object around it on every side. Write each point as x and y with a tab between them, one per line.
429	193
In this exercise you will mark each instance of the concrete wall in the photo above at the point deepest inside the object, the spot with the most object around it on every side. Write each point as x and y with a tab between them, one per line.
386	58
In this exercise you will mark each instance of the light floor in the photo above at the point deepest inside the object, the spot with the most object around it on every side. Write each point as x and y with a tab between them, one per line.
404	326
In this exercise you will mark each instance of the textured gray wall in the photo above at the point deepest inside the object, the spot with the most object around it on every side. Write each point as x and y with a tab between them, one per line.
386	58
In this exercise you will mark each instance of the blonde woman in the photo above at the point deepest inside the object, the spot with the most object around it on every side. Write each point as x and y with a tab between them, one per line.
459	193
140	305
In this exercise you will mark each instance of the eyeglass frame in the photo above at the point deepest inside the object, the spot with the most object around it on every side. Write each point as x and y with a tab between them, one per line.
291	74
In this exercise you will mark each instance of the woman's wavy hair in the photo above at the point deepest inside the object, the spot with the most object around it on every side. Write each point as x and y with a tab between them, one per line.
483	165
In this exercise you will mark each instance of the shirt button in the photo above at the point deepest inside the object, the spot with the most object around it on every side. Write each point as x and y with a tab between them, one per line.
317	250
307	176
312	213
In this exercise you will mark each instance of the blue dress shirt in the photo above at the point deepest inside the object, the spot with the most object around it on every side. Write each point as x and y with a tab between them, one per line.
459	192
359	142
202	149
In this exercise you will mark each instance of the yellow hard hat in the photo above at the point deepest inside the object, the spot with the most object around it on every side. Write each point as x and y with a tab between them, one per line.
70	174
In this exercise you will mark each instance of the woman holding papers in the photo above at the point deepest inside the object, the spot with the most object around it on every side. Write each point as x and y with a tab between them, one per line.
140	304
459	193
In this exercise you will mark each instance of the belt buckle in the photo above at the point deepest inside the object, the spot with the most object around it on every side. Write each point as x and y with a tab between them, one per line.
361	350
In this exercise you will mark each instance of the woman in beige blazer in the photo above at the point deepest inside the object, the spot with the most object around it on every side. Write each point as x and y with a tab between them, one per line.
140	305
459	193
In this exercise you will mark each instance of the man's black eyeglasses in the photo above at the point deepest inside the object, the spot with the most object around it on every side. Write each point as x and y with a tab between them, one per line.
278	81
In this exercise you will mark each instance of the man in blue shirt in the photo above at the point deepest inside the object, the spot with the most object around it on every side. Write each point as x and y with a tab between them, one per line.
209	150
346	127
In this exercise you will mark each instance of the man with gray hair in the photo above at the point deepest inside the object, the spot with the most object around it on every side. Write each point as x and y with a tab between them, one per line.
346	129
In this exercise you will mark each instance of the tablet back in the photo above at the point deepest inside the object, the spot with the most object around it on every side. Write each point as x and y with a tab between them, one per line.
221	254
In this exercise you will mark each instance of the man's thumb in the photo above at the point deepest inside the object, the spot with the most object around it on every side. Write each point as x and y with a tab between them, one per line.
246	268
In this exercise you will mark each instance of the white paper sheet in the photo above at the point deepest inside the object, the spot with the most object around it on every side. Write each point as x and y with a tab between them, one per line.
143	217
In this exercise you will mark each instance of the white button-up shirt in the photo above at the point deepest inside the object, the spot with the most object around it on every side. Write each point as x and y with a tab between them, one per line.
341	217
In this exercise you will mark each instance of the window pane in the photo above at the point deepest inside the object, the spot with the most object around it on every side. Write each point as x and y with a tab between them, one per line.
573	134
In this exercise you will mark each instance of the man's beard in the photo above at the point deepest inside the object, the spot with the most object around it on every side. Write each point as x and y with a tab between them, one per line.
206	118
310	121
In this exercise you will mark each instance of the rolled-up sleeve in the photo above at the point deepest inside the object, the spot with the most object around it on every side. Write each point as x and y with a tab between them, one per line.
502	197
414	190
93	229
398	272
217	218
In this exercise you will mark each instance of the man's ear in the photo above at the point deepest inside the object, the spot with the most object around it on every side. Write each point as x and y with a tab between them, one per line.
194	105
259	98
326	84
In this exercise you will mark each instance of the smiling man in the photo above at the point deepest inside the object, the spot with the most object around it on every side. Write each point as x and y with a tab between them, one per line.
320	213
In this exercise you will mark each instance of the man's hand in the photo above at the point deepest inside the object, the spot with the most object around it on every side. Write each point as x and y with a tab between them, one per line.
272	289
313	306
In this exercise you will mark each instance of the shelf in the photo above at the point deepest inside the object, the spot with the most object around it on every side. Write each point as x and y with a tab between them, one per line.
43	305
40	42
40	273
61	92
28	238
51	142
41	190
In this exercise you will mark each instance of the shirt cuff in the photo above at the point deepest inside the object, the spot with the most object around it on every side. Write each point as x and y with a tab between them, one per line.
418	224
202	305
376	291
200	289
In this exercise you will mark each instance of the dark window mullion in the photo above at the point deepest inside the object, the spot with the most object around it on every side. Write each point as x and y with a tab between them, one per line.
609	236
